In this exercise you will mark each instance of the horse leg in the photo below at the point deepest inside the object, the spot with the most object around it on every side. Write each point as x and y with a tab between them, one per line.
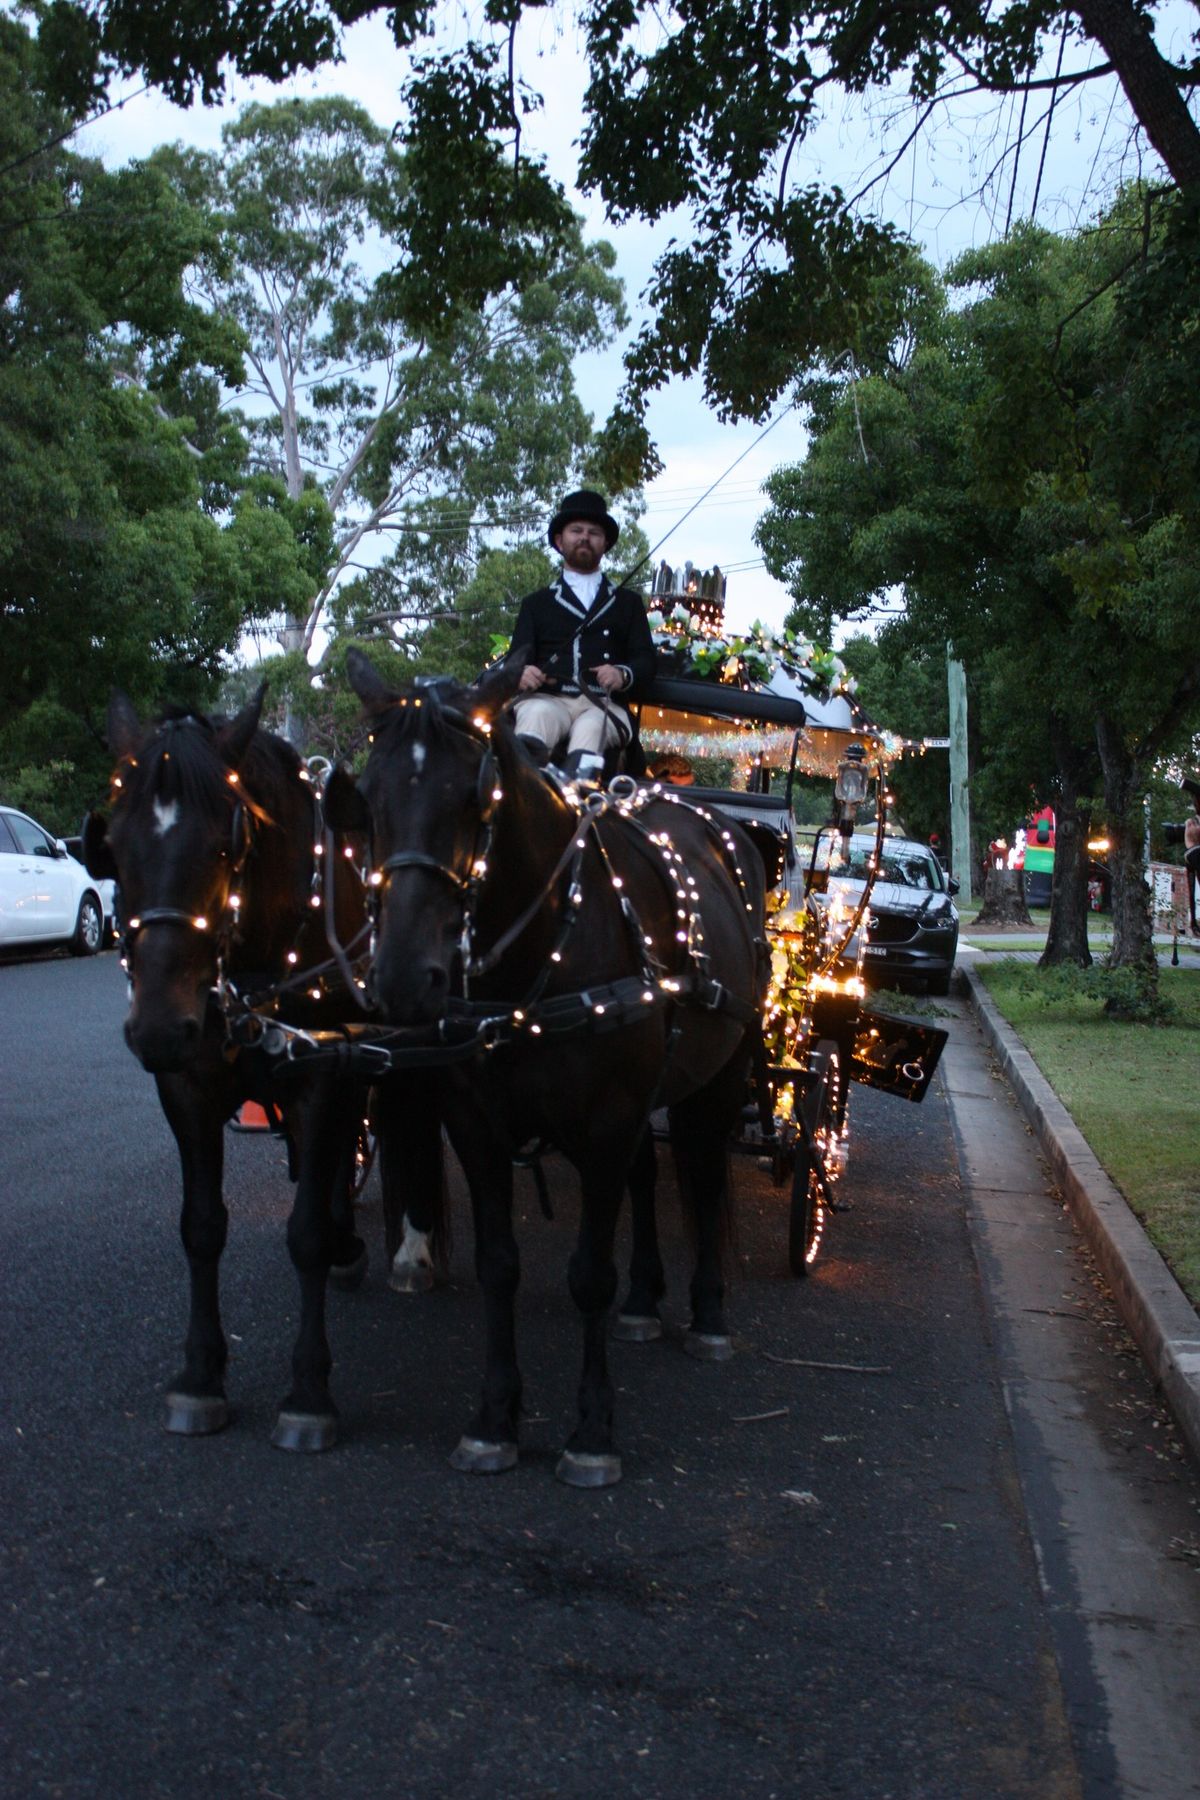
590	1459
700	1127
638	1321
324	1122
489	1445
196	1398
415	1208
350	1260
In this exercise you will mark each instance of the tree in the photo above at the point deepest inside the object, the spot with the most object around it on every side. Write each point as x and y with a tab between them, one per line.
118	563
1025	479
380	409
704	111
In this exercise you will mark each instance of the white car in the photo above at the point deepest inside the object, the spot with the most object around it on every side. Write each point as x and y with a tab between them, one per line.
46	897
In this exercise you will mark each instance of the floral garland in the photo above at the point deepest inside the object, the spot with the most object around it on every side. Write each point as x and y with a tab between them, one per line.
740	660
745	659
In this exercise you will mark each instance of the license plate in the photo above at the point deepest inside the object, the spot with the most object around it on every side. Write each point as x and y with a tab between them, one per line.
876	949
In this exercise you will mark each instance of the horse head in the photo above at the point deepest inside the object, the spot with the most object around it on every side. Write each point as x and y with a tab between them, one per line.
428	796
176	844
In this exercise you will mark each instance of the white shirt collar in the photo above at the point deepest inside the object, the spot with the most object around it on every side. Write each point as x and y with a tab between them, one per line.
584	587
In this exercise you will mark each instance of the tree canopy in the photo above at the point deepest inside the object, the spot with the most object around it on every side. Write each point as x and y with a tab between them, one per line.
702	114
1023	479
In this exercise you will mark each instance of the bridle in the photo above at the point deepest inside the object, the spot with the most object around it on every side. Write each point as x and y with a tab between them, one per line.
218	933
488	795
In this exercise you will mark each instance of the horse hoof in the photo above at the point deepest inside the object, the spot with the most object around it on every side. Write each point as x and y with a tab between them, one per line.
196	1415
305	1431
579	1469
636	1328
708	1346
476	1456
411	1278
351	1274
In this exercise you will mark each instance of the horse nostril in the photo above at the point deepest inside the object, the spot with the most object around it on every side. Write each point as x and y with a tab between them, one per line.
189	1031
439	978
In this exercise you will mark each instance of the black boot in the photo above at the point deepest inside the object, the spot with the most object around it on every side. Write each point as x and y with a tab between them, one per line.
584	765
534	748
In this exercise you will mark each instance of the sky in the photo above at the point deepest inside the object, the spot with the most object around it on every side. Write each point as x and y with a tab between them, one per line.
953	189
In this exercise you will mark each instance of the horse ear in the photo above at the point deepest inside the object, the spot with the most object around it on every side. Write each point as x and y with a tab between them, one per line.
234	738
345	808
367	682
98	858
124	727
496	687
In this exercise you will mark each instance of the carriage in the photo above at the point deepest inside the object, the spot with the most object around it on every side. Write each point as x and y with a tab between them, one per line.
819	1033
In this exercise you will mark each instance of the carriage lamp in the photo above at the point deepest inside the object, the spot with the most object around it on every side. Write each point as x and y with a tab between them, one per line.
850	787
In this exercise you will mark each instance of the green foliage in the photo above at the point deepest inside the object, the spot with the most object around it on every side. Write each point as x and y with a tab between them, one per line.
431	400
704	110
907	694
1123	992
1019	480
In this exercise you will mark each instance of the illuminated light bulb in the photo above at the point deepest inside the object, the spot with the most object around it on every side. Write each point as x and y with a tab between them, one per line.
348	853
647	995
617	882
556	956
117	782
598	1008
518	1015
292	958
536	1029
318	849
200	922
497	793
135	924
315	993
315	900
233	778
375	879
235	900
681	937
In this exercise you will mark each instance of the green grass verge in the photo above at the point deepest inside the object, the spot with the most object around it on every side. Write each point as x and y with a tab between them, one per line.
1132	1090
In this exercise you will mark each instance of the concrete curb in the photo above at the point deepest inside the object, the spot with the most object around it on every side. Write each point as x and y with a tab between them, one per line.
1164	1323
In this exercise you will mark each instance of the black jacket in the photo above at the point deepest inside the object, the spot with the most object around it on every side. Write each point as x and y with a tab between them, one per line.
566	640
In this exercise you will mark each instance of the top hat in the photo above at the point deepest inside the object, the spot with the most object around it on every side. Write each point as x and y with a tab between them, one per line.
589	506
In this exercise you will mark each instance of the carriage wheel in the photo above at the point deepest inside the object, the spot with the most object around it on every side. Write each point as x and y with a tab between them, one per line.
364	1158
806	1219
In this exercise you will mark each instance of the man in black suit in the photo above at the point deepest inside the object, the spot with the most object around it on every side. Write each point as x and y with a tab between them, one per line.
588	643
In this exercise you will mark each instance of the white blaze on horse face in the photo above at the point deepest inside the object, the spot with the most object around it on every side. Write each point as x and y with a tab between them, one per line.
418	756
166	816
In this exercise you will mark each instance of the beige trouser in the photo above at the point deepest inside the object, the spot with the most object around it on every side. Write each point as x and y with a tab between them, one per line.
553	717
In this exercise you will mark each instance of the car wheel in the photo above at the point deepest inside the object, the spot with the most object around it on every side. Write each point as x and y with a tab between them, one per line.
89	927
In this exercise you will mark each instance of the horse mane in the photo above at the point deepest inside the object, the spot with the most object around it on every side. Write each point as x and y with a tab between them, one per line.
181	760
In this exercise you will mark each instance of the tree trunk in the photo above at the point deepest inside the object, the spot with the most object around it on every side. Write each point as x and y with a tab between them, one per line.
1149	82
1004	899
1066	938
1133	925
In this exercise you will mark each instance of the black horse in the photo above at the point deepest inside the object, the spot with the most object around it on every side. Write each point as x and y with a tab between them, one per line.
610	958
217	844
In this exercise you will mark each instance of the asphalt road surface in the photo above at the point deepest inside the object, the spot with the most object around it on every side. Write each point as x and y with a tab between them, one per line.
814	1579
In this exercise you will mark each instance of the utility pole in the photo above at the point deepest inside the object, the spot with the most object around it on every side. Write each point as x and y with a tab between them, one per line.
960	805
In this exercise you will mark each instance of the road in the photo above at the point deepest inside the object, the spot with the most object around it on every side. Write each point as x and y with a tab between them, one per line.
895	1577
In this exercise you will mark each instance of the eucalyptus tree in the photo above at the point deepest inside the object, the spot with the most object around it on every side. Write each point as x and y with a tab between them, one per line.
420	401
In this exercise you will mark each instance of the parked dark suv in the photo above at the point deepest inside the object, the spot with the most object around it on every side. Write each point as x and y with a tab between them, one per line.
912	922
